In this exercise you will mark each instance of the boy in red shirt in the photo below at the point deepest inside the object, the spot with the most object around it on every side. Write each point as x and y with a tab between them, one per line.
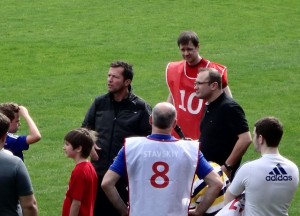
81	193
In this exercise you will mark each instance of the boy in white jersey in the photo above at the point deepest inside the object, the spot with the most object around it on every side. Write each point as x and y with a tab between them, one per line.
160	171
269	182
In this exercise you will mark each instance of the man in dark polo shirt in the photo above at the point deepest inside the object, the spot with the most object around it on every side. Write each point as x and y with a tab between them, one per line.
225	134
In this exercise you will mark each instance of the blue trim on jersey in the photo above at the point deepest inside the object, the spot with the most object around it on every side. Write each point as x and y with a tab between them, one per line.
204	167
162	137
119	164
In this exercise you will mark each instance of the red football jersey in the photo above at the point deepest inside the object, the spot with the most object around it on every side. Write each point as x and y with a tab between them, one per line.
180	80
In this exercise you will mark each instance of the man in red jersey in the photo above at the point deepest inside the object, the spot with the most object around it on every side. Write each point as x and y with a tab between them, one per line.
180	77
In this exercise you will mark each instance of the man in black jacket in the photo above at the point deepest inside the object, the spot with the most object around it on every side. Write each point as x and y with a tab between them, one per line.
115	116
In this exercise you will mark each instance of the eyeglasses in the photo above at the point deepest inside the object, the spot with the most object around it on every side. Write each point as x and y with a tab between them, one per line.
200	83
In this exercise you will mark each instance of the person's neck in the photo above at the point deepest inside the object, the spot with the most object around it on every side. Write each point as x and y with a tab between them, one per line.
119	96
156	130
269	150
80	160
195	62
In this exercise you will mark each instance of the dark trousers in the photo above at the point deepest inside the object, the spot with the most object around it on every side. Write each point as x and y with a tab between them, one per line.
103	206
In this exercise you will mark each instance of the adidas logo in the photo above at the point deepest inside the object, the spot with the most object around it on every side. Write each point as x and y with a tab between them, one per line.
278	174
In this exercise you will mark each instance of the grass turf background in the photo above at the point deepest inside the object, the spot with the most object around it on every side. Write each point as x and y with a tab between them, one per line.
55	57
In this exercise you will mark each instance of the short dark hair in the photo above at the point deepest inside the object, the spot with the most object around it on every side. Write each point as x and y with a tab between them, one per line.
163	119
4	124
185	37
82	137
9	109
213	75
271	129
128	69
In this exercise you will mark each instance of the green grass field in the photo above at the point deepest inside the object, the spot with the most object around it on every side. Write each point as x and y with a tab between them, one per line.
55	57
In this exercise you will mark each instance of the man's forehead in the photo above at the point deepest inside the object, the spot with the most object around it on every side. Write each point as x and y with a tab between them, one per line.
189	44
116	70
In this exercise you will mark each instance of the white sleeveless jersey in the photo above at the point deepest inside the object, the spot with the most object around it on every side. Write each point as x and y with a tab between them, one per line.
160	175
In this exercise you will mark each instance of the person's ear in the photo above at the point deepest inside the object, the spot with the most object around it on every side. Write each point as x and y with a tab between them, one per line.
150	120
79	149
214	85
127	82
261	139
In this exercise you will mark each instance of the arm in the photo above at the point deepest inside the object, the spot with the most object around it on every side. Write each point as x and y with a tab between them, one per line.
229	197
89	119
75	207
237	185
94	155
34	133
28	205
89	123
214	185
227	91
108	185
170	99
241	146
25	191
144	125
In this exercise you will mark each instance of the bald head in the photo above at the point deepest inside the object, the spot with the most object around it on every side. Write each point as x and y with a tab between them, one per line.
163	115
